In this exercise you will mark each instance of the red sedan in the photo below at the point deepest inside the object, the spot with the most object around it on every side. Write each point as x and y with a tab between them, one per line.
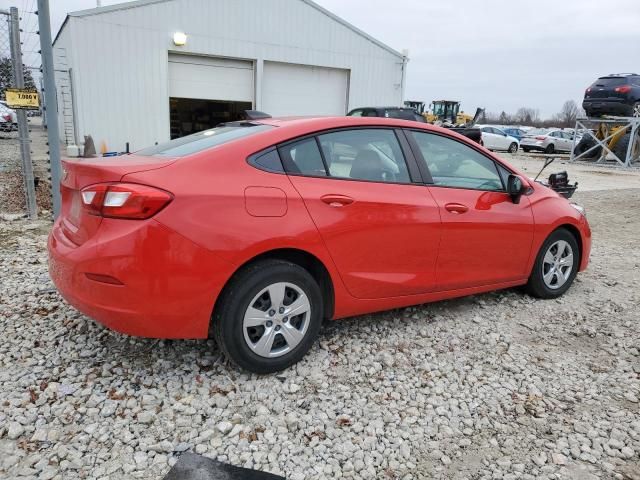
255	232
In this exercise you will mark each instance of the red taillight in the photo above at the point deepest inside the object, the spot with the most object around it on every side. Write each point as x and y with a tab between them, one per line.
7	117
623	89
541	137
124	200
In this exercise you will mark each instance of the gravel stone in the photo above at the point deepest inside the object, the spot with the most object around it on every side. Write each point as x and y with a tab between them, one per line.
495	386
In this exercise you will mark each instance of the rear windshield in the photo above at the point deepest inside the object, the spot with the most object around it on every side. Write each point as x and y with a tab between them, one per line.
401	114
197	142
610	82
538	131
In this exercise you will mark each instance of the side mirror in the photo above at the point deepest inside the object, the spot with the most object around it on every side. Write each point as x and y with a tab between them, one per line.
515	187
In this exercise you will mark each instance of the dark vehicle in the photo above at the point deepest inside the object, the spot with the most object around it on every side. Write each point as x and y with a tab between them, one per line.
617	94
388	112
407	113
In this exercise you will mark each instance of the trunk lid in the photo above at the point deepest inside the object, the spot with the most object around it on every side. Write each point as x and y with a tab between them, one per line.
606	88
75	221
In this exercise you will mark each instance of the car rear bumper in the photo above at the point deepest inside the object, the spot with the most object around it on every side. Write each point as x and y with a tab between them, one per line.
607	106
533	144
139	278
524	146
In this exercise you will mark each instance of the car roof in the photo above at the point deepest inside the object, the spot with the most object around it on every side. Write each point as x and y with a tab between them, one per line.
288	128
323	123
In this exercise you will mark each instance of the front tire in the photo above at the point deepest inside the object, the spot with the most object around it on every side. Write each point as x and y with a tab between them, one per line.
268	316
556	265
513	148
550	148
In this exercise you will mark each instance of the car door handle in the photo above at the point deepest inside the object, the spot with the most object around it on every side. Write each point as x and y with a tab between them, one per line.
456	208
334	200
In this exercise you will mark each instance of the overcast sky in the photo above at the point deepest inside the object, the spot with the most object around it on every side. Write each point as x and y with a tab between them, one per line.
498	54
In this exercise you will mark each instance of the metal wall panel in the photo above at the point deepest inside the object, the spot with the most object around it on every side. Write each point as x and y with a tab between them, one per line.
289	89
210	78
120	58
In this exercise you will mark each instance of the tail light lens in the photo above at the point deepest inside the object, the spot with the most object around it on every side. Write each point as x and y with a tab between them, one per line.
124	200
623	89
7	117
540	137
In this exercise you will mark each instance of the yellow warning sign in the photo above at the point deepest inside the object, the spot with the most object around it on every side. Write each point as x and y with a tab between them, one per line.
22	98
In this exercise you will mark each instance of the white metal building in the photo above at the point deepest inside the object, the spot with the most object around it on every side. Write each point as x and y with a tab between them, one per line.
122	78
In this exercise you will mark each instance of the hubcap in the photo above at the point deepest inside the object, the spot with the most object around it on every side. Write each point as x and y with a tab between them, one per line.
557	264
276	320
636	110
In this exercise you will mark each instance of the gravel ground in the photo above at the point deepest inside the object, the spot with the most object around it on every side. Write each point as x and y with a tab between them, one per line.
492	386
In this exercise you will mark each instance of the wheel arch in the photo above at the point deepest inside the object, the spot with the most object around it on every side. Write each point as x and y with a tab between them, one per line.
303	258
573	230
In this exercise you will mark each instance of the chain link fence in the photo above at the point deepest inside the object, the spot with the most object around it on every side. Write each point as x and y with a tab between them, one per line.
12	194
13	198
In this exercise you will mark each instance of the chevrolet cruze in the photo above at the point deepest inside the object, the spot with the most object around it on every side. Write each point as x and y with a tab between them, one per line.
255	232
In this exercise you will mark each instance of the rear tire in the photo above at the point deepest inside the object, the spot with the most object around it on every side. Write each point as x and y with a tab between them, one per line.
513	148
635	112
550	148
556	265
622	147
250	322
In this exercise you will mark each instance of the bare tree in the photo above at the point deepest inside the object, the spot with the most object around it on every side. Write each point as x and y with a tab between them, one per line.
504	119
527	116
568	114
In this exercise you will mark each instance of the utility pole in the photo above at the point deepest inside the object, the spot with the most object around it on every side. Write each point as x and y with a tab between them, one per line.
23	125
50	106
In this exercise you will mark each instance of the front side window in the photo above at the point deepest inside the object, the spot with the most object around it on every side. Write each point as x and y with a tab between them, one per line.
453	164
356	113
364	154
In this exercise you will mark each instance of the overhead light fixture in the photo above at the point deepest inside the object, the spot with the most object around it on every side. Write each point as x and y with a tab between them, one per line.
179	39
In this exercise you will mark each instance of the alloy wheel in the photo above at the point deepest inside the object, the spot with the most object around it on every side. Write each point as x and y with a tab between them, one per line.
636	110
557	264
276	320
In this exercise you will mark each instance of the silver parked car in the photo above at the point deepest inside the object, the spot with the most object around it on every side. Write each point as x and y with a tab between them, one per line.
547	141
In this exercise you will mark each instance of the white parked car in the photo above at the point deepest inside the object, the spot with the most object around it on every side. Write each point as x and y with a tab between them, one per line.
8	118
495	139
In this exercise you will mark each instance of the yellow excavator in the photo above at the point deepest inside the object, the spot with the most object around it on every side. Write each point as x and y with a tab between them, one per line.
441	111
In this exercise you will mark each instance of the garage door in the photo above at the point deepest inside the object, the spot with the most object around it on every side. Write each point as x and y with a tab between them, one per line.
289	89
210	78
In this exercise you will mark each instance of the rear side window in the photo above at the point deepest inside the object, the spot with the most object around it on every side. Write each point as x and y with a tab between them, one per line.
303	158
453	164
197	142
365	154
268	160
